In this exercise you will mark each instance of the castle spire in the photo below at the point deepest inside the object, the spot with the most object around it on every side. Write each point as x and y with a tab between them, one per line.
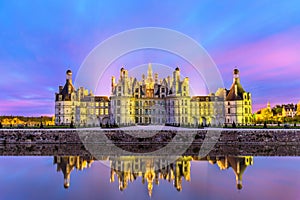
150	76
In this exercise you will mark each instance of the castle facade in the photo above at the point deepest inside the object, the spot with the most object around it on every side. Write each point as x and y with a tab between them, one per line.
152	101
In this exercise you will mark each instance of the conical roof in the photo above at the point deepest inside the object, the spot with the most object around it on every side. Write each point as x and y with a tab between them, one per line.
235	93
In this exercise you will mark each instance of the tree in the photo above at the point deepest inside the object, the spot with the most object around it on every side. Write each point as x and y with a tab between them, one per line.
233	125
41	125
265	124
72	124
1	126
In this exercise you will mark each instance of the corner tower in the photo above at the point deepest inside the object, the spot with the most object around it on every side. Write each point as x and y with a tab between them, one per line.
238	102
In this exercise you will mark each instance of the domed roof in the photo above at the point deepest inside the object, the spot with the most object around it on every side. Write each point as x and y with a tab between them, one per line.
236	71
69	71
177	69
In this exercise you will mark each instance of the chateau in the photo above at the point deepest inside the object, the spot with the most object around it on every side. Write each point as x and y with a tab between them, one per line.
152	101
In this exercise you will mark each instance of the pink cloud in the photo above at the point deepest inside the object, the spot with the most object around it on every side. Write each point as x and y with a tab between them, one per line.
275	55
28	107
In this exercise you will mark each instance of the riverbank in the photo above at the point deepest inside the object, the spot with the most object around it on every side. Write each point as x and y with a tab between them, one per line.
102	142
149	135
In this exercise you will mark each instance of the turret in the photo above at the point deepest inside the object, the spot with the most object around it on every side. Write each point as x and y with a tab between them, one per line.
69	76
236	76
176	79
143	78
121	72
176	74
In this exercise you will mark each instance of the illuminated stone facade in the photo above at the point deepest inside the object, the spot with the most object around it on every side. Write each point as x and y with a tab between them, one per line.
238	102
152	101
80	106
167	101
276	114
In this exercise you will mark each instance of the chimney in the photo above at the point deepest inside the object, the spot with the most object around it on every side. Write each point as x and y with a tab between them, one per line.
156	77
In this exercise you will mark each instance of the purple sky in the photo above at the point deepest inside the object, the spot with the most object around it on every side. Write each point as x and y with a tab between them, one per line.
40	40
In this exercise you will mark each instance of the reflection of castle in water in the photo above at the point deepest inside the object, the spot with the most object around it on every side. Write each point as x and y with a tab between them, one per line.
152	170
67	163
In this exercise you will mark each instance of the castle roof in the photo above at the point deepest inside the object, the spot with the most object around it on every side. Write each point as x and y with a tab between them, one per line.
66	94
235	93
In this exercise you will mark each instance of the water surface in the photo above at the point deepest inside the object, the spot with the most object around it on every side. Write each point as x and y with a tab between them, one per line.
37	178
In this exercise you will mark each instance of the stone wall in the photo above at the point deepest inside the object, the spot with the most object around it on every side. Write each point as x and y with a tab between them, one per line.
101	143
71	136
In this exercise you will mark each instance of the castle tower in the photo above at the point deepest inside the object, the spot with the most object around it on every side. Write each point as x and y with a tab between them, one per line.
238	103
69	86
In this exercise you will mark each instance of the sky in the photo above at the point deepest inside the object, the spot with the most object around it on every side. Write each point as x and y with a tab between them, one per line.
40	40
